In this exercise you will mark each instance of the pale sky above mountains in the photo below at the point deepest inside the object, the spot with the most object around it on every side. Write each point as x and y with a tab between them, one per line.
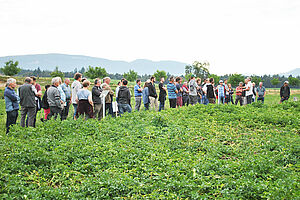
243	36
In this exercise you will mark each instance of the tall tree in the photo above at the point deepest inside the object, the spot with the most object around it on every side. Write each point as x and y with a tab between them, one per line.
235	79
10	68
201	69
57	73
131	75
95	72
160	74
275	81
293	81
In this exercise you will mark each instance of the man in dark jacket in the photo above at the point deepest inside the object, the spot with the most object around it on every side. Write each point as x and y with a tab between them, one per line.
152	94
54	99
285	92
96	92
27	93
124	98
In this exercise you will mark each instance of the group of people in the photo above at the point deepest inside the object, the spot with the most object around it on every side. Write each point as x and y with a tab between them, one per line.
60	95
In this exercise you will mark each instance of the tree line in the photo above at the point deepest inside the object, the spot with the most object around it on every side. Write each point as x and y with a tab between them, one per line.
199	69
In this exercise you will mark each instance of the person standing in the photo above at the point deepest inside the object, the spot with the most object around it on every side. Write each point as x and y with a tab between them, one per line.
76	86
96	93
185	94
146	95
152	94
62	98
109	97
210	91
11	103
54	99
230	94
172	91
249	90
193	90
199	91
239	94
204	90
138	95
67	91
162	94
226	91
179	93
221	92
261	92
124	98
117	90
27	93
37	99
85	101
254	92
45	104
285	92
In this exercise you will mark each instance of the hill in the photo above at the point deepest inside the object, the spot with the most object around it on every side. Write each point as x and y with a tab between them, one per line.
70	62
294	73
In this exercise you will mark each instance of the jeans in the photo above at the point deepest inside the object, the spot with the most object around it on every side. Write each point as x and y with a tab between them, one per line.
239	98
199	99
193	100
98	110
161	105
172	103
249	99
108	106
185	100
221	99
261	98
31	113
146	105
204	100
124	108
11	118
54	111
75	109
65	111
138	101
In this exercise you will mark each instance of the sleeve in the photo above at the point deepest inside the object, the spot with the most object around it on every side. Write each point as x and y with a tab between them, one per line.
96	92
57	98
10	95
34	90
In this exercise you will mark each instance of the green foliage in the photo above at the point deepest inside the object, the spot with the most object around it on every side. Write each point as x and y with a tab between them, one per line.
131	75
10	68
294	81
160	74
227	152
275	81
256	79
95	72
57	73
200	70
235	79
188	76
216	78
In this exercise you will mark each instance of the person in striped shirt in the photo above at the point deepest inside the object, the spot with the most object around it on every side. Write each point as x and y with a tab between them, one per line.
172	91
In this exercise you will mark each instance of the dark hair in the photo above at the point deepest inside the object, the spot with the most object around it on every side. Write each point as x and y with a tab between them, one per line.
211	80
122	79
171	79
125	82
86	83
77	76
27	80
33	78
138	80
96	80
178	79
119	82
47	86
83	79
152	78
146	84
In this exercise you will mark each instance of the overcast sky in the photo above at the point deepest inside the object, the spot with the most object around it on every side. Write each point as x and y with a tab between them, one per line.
243	36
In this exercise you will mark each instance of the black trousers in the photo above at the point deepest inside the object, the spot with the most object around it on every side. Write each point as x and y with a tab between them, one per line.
172	103
65	111
54	111
11	119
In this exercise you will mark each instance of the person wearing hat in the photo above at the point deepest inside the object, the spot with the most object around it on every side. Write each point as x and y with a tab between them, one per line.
285	92
221	92
193	90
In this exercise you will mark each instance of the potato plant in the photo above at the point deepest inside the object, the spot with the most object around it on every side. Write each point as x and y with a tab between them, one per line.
199	152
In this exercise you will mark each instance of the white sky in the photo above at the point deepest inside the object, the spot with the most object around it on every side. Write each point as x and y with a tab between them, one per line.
243	36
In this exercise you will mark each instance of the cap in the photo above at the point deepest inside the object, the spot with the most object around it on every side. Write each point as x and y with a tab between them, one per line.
220	81
286	82
193	76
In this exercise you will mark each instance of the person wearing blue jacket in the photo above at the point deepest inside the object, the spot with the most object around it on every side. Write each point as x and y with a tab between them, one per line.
138	95
145	93
12	101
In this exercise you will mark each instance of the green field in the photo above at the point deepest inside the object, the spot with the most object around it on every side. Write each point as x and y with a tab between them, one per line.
195	152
